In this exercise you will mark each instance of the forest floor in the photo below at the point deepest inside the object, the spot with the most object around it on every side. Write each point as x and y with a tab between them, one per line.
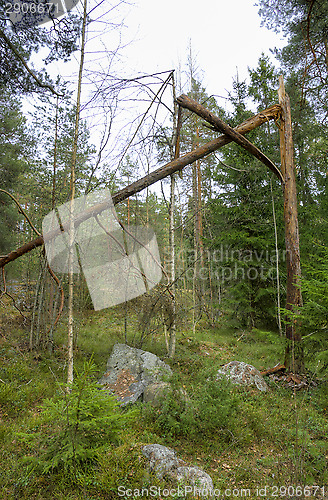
253	444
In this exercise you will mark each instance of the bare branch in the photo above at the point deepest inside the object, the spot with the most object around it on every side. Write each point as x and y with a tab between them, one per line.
22	211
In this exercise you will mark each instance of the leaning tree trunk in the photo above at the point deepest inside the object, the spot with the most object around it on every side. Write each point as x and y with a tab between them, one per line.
173	166
294	359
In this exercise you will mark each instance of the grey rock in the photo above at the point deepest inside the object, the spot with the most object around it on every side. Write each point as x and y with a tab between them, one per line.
162	460
241	373
194	476
129	371
164	463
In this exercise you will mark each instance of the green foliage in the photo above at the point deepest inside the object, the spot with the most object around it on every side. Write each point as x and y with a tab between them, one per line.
58	41
225	430
47	181
209	411
19	388
241	216
15	145
124	466
78	425
263	84
215	408
314	313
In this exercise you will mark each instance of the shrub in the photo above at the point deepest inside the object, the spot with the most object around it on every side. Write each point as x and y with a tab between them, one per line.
209	411
78	425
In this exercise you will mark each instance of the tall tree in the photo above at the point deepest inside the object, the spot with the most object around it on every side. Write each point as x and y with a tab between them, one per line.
70	344
241	214
305	23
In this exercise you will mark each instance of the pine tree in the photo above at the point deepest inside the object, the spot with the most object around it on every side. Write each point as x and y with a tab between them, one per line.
15	149
242	212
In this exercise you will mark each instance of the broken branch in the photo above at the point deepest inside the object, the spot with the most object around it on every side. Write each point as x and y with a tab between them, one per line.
218	124
162	172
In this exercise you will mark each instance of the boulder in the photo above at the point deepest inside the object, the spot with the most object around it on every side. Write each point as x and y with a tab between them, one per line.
241	373
165	464
130	371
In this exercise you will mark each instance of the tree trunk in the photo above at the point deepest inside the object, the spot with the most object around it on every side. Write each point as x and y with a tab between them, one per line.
294	359
172	267
277	260
70	344
175	154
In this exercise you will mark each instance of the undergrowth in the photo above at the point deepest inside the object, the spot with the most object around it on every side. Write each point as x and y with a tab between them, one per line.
78	444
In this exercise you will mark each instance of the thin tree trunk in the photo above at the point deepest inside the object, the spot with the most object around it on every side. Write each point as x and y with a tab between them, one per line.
70	345
172	267
195	302
36	299
277	261
53	204
176	154
294	358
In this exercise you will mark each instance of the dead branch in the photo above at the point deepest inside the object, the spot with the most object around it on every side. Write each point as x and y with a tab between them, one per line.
22	211
5	292
279	367
220	125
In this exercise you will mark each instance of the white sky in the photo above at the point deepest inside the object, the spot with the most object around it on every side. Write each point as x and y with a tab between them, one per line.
225	37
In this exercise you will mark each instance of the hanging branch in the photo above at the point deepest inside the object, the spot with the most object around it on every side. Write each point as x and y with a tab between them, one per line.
218	124
5	292
21	210
144	116
308	20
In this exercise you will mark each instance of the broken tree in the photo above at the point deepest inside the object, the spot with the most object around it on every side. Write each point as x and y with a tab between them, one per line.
294	359
294	352
162	172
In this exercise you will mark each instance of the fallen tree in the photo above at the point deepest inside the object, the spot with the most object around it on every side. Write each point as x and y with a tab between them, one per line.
178	164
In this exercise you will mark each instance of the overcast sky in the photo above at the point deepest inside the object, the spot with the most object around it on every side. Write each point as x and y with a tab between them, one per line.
225	36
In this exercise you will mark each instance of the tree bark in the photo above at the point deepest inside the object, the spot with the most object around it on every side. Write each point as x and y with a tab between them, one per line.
233	134
294	359
70	341
162	172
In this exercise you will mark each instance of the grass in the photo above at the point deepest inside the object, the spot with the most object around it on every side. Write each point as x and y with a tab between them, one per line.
268	439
